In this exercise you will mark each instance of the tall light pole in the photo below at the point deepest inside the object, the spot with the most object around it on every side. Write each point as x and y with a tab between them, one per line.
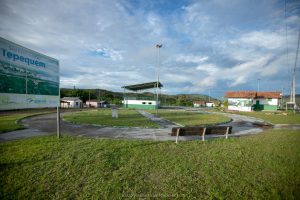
282	95
158	46
293	88
258	84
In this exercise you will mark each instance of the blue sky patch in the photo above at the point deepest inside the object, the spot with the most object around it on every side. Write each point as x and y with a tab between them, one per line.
208	46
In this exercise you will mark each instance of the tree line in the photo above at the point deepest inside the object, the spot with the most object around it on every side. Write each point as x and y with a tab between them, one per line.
117	97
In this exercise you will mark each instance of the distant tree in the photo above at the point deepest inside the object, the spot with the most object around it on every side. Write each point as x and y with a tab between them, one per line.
170	101
225	104
184	100
117	97
117	101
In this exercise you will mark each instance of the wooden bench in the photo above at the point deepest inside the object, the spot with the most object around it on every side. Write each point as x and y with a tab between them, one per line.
201	131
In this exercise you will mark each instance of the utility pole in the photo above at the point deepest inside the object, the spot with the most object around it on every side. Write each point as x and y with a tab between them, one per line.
89	97
293	88
258	84
158	46
282	96
99	95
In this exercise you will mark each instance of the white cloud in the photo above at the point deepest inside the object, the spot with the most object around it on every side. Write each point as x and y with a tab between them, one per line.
265	39
209	68
205	44
191	58
207	82
109	53
236	75
154	24
176	78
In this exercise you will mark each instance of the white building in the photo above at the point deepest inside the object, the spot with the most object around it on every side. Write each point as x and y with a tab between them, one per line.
199	103
141	104
147	103
252	100
210	104
97	104
267	101
70	102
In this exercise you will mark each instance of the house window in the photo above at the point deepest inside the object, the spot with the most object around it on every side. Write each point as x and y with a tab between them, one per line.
76	103
143	102
150	103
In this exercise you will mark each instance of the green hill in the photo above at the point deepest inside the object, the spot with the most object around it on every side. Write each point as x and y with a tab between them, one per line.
117	97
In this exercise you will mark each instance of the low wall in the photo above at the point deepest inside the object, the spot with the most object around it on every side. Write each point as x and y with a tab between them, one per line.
259	107
139	106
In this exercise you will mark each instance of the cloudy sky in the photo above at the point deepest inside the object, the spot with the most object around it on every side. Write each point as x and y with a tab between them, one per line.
209	46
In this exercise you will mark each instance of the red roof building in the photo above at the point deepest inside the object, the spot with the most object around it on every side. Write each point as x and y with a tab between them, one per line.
268	95
240	94
252	94
252	100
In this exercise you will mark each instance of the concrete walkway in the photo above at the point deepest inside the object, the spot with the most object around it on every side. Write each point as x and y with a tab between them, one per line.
244	125
161	121
287	126
46	125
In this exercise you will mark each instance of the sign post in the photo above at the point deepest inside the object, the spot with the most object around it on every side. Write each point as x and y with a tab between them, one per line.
28	79
58	122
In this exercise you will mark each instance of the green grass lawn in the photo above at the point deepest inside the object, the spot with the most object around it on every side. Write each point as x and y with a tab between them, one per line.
191	118
9	122
9	119
264	166
127	118
275	117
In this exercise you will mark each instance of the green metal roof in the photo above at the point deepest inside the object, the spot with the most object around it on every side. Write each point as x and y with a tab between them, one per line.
143	86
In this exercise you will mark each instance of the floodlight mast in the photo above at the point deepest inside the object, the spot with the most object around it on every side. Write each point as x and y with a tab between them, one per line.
158	46
293	88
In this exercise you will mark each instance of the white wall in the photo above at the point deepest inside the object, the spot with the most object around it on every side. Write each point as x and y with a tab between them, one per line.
240	104
72	104
140	102
240	108
77	103
209	104
92	104
271	102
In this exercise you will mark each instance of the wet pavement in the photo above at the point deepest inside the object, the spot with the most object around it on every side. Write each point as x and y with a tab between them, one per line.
46	125
242	125
161	121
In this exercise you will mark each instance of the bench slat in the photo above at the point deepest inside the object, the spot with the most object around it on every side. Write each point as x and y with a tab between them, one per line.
198	130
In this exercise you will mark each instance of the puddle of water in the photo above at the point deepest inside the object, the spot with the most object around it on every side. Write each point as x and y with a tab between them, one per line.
262	125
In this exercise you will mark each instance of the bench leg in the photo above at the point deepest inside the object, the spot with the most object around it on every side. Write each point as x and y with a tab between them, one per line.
227	131
203	134
177	135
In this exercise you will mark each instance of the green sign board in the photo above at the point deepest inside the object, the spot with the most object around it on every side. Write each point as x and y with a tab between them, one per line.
28	79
